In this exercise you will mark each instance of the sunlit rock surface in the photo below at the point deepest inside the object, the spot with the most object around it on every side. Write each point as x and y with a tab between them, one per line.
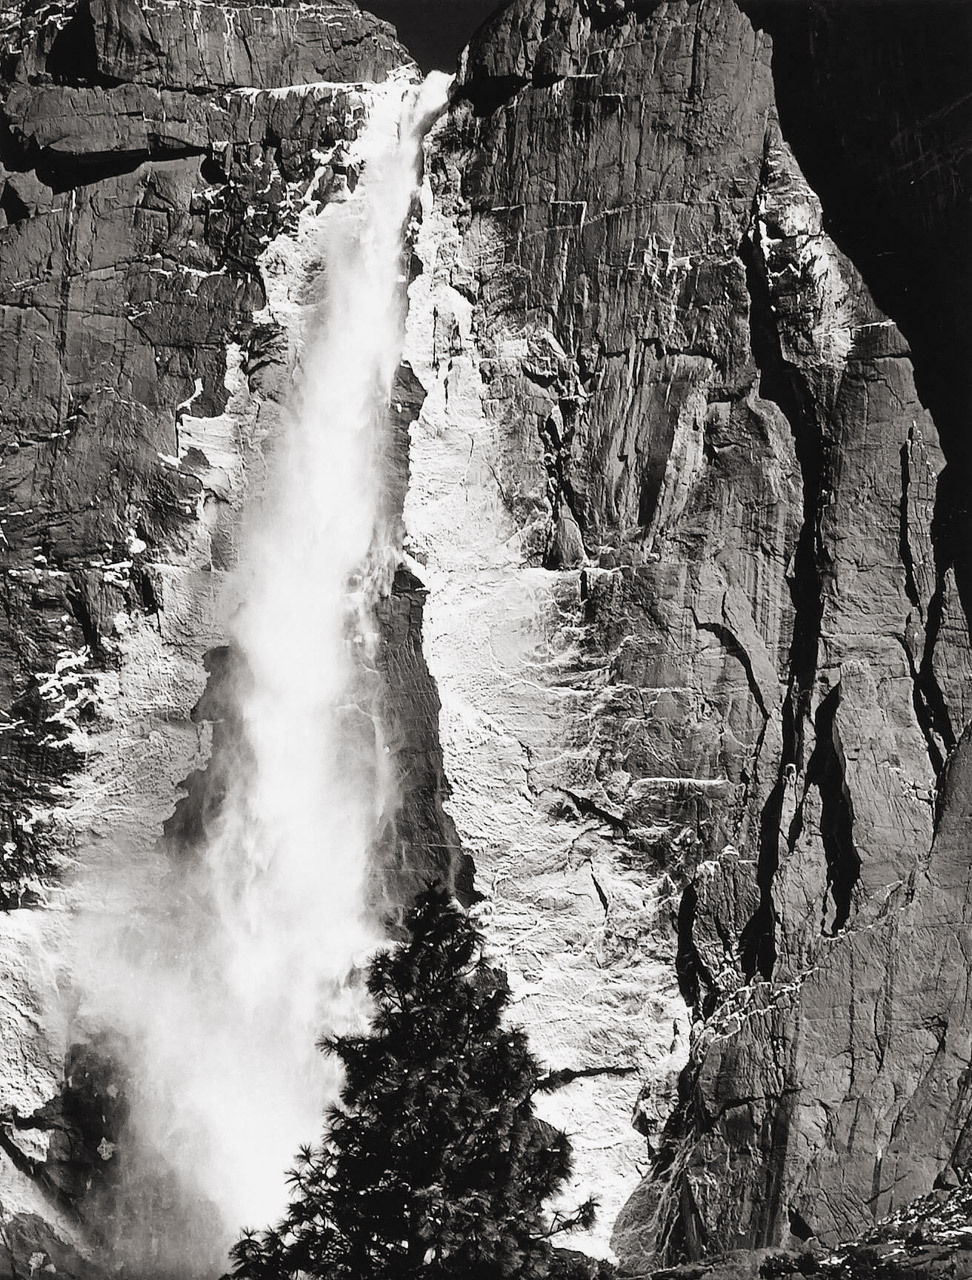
580	918
703	448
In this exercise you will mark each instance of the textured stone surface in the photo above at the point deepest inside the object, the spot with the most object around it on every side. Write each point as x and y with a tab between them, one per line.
239	46
580	924
696	406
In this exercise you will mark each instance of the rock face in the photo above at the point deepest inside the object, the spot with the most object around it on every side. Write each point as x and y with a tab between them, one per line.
571	905
707	444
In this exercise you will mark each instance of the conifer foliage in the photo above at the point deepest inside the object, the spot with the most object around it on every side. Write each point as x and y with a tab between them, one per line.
433	1165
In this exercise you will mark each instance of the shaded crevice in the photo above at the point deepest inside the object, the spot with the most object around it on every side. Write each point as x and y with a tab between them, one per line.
695	86
67	173
767	1225
12	207
928	700
487	94
692	1238
567	1075
757	941
952	551
602	896
607	13
556	445
780	382
825	771
79	601
16	156
204	791
799	1227
933	715
73	56
736	650
586	807
653	477
904	538
696	982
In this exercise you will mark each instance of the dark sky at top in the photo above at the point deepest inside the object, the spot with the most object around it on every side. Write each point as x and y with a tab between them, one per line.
433	31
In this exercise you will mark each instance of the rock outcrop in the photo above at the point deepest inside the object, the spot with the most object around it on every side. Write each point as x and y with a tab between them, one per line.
727	468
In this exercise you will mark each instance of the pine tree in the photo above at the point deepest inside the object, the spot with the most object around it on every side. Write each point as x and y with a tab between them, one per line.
433	1164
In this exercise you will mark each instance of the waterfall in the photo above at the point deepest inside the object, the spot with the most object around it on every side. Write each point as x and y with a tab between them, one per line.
219	985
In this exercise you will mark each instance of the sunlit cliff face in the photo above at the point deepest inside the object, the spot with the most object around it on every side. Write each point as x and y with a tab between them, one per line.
218	976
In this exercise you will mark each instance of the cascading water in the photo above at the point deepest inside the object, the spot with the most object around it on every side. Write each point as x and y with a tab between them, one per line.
219	986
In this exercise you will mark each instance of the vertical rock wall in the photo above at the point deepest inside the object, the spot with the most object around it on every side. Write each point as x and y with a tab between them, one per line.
577	918
698	448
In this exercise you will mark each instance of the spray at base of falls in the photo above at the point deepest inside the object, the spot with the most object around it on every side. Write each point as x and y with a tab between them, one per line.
217	974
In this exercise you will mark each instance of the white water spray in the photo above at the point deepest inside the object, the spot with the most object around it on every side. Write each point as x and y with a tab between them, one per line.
222	985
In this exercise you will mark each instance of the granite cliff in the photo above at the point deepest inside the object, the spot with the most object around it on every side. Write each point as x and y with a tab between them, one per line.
718	310
676	662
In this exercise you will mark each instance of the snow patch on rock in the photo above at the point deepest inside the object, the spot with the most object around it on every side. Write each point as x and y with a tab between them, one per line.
582	927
